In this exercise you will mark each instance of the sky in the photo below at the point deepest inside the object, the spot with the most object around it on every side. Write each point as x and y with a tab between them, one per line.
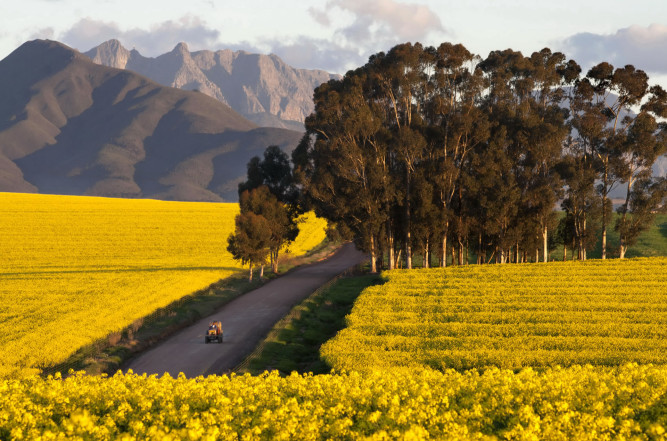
338	35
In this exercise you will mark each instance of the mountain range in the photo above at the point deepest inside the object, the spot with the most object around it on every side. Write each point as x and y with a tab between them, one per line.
263	88
71	126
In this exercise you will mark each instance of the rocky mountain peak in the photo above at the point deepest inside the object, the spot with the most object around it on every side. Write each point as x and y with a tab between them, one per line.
110	53
263	88
181	48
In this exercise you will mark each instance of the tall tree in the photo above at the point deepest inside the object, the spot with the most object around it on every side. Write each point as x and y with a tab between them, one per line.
261	202
614	93
645	141
547	131
402	85
458	124
342	170
250	241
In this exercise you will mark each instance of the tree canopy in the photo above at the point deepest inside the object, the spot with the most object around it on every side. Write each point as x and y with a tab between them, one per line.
436	150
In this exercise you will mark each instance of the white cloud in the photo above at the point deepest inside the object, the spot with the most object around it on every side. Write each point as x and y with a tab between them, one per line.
321	17
321	54
403	21
357	29
643	47
367	27
155	40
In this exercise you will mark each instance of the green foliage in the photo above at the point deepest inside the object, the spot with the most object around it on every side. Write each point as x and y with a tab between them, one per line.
251	241
426	148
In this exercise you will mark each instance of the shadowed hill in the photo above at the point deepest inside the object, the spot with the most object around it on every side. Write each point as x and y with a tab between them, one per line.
70	126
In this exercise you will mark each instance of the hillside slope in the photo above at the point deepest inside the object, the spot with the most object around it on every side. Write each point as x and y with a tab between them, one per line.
70	126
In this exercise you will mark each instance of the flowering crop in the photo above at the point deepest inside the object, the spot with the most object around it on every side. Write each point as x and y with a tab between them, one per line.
75	269
511	316
582	403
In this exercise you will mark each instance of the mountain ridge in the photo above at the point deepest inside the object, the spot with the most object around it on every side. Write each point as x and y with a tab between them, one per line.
263	88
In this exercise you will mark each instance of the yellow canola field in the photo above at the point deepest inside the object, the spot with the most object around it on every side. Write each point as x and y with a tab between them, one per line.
510	316
75	269
576	403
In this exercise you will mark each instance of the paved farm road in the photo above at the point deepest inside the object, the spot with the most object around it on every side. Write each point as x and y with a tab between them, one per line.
245	321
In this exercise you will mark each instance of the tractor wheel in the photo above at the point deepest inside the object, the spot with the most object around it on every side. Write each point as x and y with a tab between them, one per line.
205	340
220	339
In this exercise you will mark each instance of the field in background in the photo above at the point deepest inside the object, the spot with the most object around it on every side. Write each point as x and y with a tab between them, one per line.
75	269
510	316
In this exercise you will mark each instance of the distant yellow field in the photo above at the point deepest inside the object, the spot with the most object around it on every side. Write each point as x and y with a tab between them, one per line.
599	312
76	268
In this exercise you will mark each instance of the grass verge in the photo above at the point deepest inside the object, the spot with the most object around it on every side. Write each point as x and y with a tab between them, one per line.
294	342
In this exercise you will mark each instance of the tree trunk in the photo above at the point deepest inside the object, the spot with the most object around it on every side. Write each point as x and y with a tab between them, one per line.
373	267
443	262
564	252
408	223
545	244
465	257
460	252
397	264
261	272
604	211
426	256
390	245
623	246
274	262
250	276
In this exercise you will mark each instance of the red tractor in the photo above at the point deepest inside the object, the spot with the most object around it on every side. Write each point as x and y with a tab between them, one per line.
214	332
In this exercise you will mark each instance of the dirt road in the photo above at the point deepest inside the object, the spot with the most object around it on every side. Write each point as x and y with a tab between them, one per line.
245	320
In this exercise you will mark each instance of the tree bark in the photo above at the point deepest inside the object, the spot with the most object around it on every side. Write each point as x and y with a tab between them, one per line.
545	244
250	276
605	181
390	246
443	263
623	245
261	272
373	266
466	251
408	216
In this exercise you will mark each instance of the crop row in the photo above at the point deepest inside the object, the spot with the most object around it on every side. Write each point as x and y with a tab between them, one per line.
510	316
583	403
